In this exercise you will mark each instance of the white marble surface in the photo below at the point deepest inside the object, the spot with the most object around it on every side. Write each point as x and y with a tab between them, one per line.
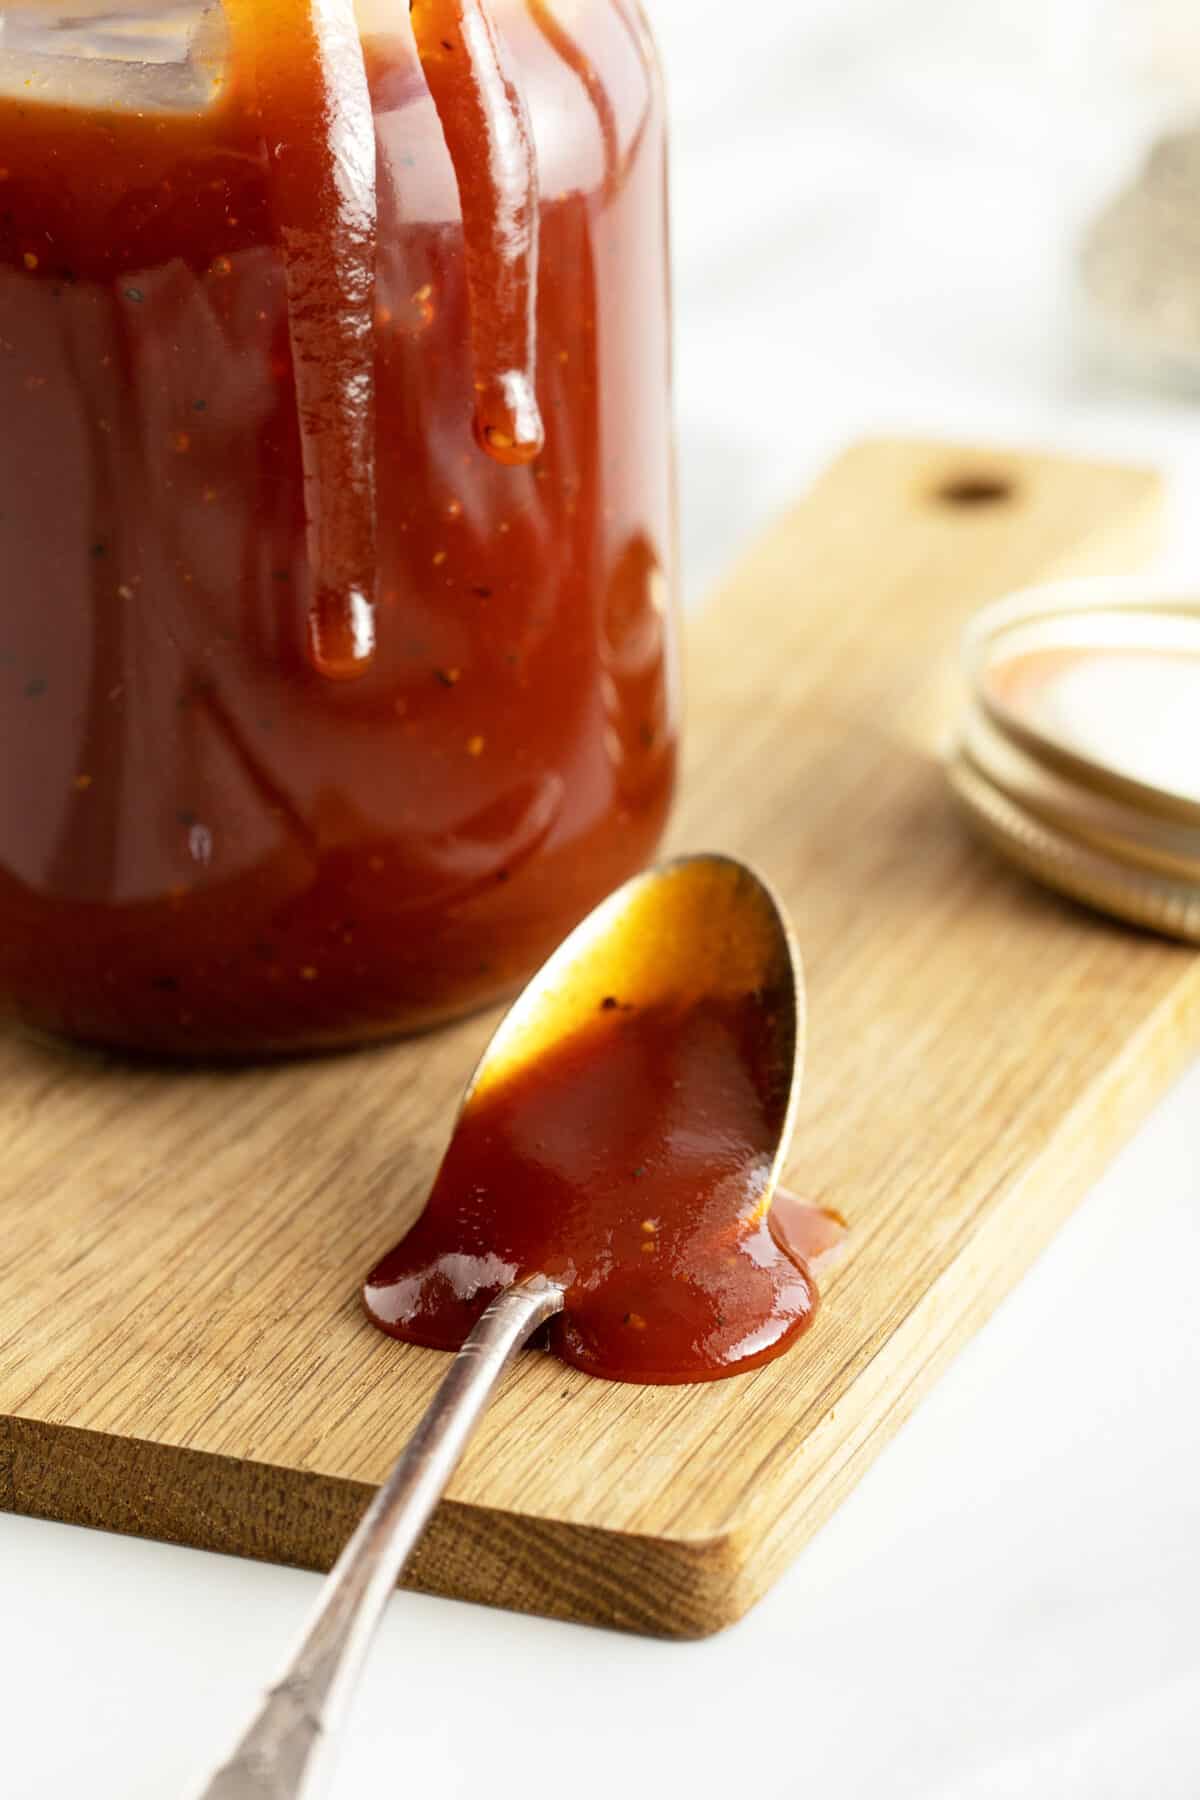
874	202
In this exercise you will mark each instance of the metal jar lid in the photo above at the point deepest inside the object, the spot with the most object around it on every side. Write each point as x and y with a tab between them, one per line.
1079	755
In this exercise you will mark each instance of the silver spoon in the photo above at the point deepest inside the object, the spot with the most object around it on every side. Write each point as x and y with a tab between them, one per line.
702	925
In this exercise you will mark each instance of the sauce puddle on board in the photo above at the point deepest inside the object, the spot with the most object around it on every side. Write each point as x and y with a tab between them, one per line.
630	1161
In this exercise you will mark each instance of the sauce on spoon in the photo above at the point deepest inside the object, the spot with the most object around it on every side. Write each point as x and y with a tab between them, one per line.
630	1157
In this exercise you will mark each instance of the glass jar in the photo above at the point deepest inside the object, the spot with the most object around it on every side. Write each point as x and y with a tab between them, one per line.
330	695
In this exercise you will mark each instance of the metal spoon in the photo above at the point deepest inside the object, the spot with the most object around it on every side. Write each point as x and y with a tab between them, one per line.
701	924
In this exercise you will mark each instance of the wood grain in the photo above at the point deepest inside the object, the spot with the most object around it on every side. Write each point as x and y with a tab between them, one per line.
181	1352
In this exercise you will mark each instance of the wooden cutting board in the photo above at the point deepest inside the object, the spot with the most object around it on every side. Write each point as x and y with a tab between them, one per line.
181	1351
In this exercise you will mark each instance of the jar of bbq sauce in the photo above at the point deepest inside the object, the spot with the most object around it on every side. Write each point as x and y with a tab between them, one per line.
336	535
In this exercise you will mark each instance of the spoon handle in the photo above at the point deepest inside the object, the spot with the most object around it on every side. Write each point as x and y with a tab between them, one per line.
281	1754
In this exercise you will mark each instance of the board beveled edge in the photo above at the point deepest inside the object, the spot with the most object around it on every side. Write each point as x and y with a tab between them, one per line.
654	1586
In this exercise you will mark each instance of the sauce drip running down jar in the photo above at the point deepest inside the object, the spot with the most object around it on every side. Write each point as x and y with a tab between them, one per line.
336	523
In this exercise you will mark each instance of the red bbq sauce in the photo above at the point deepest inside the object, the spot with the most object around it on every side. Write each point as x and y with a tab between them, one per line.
296	60
632	1160
490	140
247	349
303	61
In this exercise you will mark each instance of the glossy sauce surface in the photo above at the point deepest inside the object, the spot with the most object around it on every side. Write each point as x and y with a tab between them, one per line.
490	140
625	1145
629	1165
294	60
243	383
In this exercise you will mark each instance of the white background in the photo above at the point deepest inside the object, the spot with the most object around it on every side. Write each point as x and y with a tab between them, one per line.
875	205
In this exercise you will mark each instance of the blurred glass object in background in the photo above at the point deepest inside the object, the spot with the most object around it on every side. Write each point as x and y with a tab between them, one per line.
1140	256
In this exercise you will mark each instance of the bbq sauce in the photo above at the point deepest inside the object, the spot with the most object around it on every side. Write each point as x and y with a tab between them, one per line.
294	61
302	60
630	1157
630	1164
250	353
490	140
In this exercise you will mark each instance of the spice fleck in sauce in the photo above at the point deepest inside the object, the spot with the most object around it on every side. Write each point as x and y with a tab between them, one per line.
250	347
631	1159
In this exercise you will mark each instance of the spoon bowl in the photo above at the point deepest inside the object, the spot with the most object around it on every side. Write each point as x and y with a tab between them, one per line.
698	928
622	1136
